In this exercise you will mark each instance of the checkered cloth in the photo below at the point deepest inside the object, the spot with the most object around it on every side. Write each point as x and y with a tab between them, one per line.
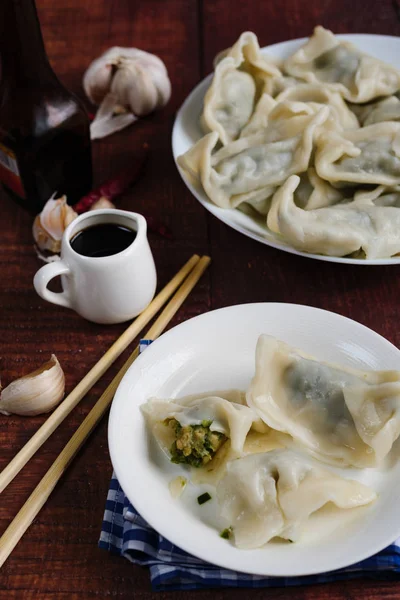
125	533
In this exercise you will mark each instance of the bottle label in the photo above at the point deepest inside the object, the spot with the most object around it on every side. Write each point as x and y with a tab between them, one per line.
9	171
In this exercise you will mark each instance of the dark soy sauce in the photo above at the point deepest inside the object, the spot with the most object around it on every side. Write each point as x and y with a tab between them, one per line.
44	130
102	240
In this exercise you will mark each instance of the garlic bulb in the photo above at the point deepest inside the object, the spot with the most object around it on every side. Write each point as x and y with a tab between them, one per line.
128	83
36	393
50	224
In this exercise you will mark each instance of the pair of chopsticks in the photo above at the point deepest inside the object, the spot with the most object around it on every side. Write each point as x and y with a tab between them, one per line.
185	280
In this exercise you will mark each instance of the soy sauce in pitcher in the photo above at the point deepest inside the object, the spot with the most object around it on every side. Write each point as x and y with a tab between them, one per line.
104	239
44	129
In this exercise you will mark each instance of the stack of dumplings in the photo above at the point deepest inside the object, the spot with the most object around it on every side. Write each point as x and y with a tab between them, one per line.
269	452
312	145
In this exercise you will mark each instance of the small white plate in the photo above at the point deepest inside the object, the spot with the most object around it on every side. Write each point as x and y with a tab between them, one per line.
187	131
217	351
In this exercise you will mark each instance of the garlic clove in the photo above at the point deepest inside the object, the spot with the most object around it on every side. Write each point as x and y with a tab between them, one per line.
142	84
105	122
35	393
100	128
50	224
47	258
136	89
102	202
56	216
43	240
97	78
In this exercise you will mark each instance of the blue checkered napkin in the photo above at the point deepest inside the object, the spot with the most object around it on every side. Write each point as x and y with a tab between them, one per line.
125	533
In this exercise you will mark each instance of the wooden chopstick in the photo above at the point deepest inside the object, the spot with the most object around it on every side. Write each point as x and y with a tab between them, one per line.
74	397
40	494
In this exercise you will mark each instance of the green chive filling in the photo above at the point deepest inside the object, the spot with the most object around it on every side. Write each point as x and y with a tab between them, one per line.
195	445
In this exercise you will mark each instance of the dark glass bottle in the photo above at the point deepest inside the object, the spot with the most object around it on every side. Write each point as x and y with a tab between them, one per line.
44	129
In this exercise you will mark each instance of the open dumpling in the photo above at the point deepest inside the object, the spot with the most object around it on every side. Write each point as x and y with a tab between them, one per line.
250	169
357	76
193	429
238	83
342	416
273	494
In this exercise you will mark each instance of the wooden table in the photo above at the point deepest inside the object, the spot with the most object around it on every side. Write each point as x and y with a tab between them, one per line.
58	556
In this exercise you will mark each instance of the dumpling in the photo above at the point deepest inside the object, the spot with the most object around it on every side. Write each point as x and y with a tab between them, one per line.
380	111
380	196
370	225
238	82
276	122
357	76
320	95
311	192
193	429
273	494
251	168
285	120
338	230
259	118
367	155
340	415
276	85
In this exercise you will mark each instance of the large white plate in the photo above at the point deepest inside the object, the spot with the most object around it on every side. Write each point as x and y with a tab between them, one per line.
187	131
216	351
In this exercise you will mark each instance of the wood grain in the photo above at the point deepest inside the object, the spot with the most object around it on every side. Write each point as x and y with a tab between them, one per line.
58	557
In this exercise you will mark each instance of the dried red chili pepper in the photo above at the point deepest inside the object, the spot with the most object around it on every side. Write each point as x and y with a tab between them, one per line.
116	186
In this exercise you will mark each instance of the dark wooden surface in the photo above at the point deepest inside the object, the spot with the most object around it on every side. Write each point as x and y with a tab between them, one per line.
58	556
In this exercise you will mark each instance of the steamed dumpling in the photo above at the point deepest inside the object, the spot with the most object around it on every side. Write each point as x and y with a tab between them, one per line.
311	192
339	230
239	81
322	95
282	116
260	116
340	415
367	155
249	169
273	494
386	109
357	76
191	430
380	196
277	85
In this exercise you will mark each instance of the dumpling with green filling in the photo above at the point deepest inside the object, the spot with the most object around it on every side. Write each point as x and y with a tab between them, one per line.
337	63
367	223
249	169
340	415
193	429
239	81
